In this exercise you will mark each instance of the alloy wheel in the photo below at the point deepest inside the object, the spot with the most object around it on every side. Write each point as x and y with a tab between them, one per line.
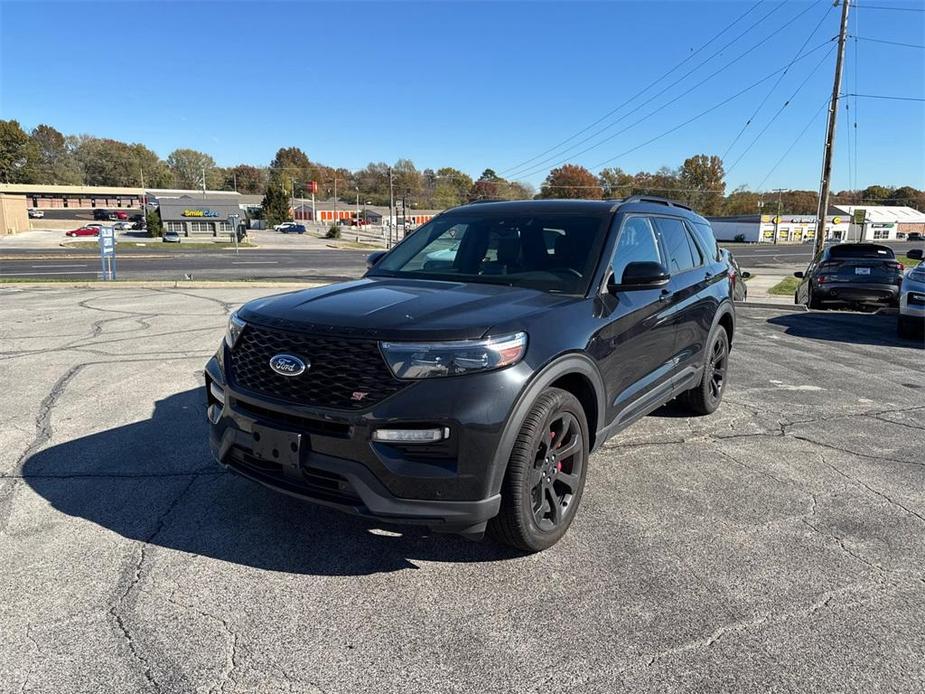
557	469
718	361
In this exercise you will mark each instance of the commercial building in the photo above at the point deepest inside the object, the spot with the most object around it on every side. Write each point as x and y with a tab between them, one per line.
192	216
882	222
14	216
786	228
50	197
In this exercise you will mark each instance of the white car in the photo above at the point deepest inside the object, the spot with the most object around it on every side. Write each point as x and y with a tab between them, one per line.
36	214
912	298
283	226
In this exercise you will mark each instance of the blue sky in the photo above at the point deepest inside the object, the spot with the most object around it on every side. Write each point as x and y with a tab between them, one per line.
470	85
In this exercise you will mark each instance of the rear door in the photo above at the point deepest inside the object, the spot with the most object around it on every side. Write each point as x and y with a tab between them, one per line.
693	306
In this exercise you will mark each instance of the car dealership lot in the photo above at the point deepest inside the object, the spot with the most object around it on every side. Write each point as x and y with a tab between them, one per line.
775	545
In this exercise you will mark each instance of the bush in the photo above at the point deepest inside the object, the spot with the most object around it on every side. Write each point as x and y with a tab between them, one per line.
153	222
333	232
739	238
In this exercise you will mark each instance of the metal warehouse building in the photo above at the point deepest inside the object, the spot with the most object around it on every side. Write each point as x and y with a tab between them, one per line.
785	228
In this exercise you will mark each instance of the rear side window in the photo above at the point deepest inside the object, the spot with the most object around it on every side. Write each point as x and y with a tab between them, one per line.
704	233
682	254
637	243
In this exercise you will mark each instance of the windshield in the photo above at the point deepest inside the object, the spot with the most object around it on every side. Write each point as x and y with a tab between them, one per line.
546	251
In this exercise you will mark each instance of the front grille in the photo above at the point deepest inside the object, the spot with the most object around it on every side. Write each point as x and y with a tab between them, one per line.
347	374
313	483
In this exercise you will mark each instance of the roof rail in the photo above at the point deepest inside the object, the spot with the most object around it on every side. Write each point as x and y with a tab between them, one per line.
481	200
657	200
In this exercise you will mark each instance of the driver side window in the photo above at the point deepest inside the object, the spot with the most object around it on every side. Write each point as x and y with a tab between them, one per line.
637	243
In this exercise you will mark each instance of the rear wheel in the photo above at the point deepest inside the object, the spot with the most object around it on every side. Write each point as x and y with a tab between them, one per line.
545	475
706	396
814	301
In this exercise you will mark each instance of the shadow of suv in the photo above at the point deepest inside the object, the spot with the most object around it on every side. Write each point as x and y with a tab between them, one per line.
464	381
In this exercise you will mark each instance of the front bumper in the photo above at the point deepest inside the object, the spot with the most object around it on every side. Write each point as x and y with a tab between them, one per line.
446	486
912	300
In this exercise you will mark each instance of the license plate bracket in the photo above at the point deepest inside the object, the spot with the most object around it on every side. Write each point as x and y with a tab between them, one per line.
276	446
862	271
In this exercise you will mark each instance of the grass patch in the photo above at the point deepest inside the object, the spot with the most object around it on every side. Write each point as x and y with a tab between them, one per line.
786	287
354	244
161	246
907	261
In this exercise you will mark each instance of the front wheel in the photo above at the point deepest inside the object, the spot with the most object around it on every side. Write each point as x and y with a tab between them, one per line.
545	475
706	396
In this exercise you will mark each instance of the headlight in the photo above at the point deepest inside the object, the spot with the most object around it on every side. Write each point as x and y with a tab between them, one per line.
234	330
434	359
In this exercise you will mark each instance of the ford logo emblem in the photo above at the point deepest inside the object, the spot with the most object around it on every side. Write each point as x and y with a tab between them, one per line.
289	365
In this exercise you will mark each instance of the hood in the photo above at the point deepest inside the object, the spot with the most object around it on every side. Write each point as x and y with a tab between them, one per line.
400	309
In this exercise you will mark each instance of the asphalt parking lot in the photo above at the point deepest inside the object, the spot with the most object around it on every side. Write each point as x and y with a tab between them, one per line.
777	545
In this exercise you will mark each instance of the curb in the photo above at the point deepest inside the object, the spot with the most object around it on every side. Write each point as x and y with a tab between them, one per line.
769	304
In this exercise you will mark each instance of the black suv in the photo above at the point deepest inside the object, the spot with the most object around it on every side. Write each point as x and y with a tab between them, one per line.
463	382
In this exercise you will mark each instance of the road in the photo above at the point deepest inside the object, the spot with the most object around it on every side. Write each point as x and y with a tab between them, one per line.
159	264
773	546
296	264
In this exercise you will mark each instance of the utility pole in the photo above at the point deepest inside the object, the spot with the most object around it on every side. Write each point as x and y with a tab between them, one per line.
203	182
823	207
779	192
391	206
335	199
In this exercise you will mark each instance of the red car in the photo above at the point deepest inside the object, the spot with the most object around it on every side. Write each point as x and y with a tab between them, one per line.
122	215
84	231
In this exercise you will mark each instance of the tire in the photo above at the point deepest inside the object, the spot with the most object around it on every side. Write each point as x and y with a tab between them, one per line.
707	395
542	488
813	302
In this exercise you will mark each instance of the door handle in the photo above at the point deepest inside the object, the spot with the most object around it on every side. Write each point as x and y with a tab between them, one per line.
664	295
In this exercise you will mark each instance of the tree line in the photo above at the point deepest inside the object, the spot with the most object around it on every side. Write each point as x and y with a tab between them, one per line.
47	156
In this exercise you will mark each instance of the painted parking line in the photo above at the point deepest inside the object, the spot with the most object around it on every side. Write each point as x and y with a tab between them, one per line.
53	266
255	262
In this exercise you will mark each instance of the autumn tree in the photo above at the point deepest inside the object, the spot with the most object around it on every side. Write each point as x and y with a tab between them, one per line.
18	157
704	178
615	183
571	181
55	160
741	202
245	179
188	167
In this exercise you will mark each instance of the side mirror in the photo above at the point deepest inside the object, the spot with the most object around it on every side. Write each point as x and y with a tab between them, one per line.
373	258
798	275
640	275
915	254
745	274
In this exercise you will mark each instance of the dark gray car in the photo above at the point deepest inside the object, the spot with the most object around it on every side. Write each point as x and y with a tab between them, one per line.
850	274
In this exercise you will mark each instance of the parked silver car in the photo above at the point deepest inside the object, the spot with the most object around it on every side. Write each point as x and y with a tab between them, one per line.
912	298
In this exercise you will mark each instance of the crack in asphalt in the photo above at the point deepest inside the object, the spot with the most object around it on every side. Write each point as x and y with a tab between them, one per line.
43	433
231	659
117	611
860	483
38	652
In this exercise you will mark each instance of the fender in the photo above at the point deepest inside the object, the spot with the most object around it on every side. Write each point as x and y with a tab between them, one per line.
726	308
574	362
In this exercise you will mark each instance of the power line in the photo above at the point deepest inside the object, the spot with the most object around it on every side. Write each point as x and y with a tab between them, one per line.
780	110
887	96
794	143
643	91
774	86
895	9
890	43
541	165
709	110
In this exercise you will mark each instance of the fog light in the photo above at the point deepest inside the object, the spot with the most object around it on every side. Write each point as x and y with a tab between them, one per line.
217	392
411	435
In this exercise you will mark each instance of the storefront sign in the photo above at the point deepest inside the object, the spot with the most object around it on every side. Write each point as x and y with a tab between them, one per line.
199	213
860	216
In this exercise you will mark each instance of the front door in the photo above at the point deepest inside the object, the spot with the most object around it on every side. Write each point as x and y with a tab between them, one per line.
635	345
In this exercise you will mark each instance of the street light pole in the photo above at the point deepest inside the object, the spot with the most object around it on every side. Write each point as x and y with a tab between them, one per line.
391	206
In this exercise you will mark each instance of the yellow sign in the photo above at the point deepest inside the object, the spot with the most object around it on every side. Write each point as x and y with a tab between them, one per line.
777	220
765	218
836	220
